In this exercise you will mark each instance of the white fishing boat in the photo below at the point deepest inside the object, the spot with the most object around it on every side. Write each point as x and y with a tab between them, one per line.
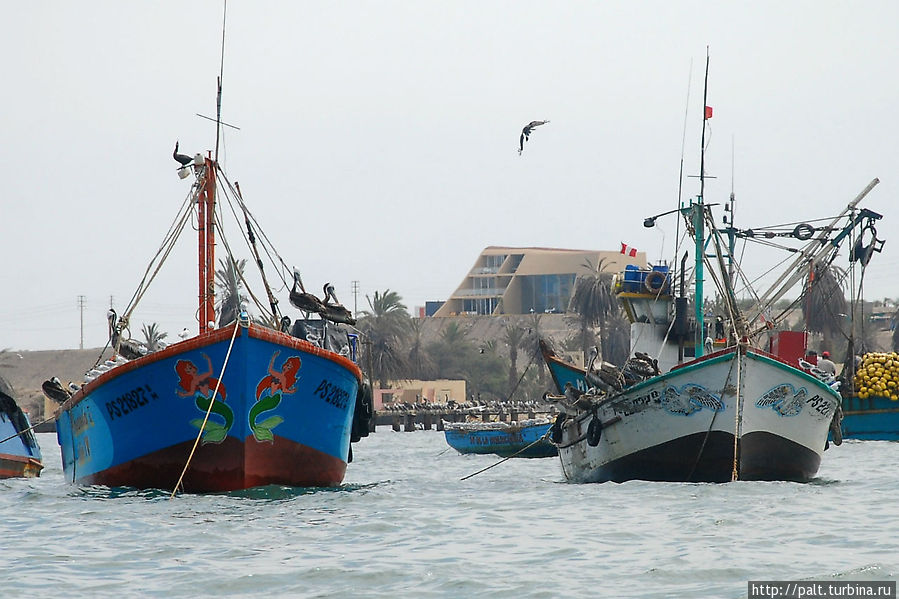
699	404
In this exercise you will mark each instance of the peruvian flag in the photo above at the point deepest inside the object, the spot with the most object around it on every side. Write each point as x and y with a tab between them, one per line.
626	249
708	112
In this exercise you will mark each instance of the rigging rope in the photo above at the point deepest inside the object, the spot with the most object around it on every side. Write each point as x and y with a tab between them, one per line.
543	438
165	248
208	411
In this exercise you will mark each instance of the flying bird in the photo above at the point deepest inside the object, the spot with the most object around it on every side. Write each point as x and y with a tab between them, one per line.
182	159
526	132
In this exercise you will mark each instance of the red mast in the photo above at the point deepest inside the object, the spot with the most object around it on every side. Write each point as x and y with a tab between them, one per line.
206	247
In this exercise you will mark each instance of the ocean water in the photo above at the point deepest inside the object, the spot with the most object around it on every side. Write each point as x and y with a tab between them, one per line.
404	524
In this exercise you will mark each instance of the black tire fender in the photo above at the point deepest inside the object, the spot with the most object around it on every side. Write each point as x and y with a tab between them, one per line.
556	430
594	432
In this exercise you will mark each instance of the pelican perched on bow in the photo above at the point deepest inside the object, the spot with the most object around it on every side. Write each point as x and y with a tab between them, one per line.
526	133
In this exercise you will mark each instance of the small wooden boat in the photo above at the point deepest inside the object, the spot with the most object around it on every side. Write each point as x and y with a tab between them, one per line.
20	454
525	439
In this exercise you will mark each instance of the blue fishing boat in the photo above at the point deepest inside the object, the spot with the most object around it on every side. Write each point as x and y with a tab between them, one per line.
871	398
873	418
20	455
525	439
248	401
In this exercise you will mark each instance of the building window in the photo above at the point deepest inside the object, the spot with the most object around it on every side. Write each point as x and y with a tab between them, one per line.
546	293
481	306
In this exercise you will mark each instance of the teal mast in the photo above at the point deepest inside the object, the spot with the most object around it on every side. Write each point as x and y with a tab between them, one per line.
698	224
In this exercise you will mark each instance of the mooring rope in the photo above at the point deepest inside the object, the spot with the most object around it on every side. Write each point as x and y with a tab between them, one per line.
711	424
208	410
543	438
30	428
735	473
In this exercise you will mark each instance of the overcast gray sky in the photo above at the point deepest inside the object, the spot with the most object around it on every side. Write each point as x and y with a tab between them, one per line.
379	140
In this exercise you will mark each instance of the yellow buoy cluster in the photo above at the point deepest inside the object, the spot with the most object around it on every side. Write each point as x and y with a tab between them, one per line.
878	376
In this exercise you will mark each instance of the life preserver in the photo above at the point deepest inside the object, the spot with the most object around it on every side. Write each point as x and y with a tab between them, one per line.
803	231
594	432
656	282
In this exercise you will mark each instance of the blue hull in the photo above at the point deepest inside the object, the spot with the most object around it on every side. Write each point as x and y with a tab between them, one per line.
563	372
875	418
20	454
282	415
506	441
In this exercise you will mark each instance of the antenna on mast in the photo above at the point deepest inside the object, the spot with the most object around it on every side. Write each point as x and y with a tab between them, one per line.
218	100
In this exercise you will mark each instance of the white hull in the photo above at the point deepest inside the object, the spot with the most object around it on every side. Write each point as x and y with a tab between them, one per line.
730	415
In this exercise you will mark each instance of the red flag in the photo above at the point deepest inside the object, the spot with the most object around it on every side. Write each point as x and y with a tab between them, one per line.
708	112
625	249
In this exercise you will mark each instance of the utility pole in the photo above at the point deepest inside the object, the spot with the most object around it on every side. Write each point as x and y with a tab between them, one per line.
111	299
81	300
355	298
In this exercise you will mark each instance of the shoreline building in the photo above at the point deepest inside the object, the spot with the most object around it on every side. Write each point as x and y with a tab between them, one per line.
510	280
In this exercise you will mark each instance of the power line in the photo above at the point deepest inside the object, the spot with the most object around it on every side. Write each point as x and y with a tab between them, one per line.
81	302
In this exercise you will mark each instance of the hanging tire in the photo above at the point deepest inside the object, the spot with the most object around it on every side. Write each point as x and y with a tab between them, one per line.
363	414
656	282
594	432
555	433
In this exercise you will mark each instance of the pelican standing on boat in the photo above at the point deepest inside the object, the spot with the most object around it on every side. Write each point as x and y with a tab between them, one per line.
335	312
306	302
182	159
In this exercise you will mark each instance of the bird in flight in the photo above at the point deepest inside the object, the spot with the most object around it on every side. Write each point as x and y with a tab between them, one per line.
526	132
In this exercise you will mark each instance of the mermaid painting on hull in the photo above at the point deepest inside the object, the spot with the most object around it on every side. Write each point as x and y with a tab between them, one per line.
201	385
268	395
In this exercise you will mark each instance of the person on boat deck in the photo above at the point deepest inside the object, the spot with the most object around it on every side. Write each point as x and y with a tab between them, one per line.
826	365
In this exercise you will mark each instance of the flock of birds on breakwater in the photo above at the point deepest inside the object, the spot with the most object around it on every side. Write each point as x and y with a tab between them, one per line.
475	406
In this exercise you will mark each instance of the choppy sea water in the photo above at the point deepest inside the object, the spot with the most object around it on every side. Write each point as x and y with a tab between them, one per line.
404	524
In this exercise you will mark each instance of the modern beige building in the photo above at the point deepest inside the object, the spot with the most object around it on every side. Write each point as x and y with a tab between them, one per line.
507	280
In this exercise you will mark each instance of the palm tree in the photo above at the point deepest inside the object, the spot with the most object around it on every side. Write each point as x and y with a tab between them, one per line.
153	336
592	301
229	281
615	338
422	367
513	337
531	345
450	350
387	326
456	357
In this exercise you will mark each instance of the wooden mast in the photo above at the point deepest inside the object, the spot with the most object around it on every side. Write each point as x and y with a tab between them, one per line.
206	247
